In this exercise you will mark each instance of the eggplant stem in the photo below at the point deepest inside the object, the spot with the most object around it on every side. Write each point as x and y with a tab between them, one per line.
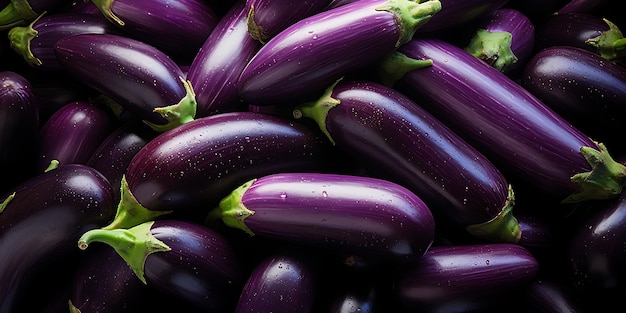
107	11
16	13
318	110
410	15
180	113
504	227
6	202
610	44
395	65
254	29
233	212
20	38
494	48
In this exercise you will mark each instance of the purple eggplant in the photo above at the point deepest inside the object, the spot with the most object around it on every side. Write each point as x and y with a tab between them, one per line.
520	134
35	42
464	278
22	12
281	282
214	70
456	13
178	29
19	129
367	217
192	167
41	220
395	138
189	261
138	76
582	6
73	133
308	56
586	89
267	18
504	39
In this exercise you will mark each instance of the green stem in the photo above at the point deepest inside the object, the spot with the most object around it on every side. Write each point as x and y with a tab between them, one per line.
494	48
610	44
254	29
5	202
232	211
394	66
504	227
16	13
105	8
20	38
318	110
177	114
410	15
133	244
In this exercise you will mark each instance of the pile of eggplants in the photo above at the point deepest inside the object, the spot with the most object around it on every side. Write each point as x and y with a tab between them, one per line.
319	156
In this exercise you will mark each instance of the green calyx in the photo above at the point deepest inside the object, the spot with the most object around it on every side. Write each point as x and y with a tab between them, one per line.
611	44
318	110
254	29
394	66
133	244
105	7
177	114
5	202
20	38
604	181
16	13
234	213
410	15
494	48
504	227
129	211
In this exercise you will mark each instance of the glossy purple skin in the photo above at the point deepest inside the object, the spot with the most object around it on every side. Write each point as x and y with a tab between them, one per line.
202	268
44	220
279	283
464	278
495	114
134	74
308	56
394	137
19	128
73	133
583	87
214	71
570	29
458	12
582	6
177	28
273	16
366	217
198	163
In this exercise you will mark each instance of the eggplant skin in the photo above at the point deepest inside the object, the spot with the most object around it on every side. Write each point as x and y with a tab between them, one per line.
464	278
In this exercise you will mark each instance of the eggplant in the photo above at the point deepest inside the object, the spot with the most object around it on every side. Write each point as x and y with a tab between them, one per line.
455	13
267	18
41	220
189	169
73	133
281	282
141	78
584	88
178	30
521	135
189	261
19	129
214	70
464	278
367	217
305	58
35	41
582	6
504	39
21	12
398	140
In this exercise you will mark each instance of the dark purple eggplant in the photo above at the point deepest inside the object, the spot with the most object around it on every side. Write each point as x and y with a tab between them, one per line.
363	216
19	129
35	42
504	39
308	56
267	18
192	167
192	262
141	78
456	13
395	138
178	29
465	278
41	220
586	89
281	282
73	133
214	70
582	6
22	12
521	135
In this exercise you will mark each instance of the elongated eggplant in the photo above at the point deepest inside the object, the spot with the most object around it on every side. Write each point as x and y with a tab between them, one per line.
190	261
41	220
178	30
35	41
586	89
192	167
138	76
363	216
267	18
308	56
456	13
504	39
395	138
19	129
22	12
214	70
281	282
508	124
465	278
73	133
